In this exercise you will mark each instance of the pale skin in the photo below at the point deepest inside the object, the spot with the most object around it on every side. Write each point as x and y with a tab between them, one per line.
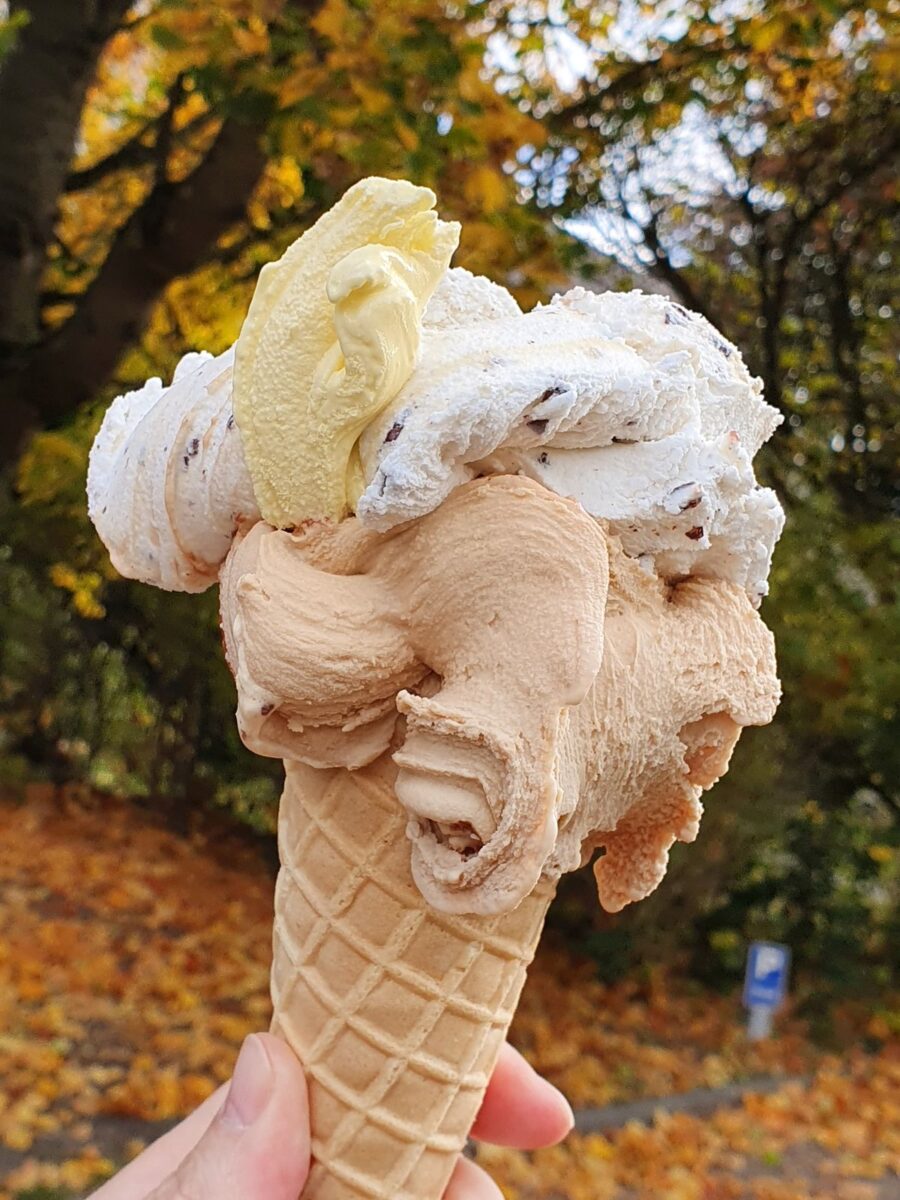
250	1139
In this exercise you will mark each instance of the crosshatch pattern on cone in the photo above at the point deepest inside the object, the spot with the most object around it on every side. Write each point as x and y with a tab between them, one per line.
397	1012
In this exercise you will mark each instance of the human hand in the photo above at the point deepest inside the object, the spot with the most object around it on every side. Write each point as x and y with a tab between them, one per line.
250	1139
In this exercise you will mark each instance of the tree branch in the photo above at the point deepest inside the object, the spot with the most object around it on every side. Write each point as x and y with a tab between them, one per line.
135	22
846	341
153	211
133	153
771	308
60	298
854	167
662	266
632	76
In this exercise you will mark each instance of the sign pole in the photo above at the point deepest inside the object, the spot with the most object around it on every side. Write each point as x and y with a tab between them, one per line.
759	1023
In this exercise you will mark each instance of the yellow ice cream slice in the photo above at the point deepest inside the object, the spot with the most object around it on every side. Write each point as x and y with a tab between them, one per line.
331	337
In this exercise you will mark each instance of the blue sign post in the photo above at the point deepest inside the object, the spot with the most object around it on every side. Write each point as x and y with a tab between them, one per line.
765	985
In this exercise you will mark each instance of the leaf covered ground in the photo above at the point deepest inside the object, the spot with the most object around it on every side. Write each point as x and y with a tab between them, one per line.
134	962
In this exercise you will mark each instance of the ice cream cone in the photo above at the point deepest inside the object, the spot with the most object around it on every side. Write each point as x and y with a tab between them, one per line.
397	1011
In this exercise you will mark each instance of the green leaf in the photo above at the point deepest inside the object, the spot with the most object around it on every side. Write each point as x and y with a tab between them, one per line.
10	28
167	39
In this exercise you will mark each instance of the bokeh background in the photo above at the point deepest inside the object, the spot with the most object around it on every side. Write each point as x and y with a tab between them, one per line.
740	157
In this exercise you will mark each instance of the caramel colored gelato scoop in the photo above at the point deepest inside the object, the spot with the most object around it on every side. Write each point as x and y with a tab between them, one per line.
548	694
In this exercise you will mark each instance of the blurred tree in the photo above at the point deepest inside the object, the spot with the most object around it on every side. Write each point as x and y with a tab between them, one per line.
158	156
744	161
739	157
215	132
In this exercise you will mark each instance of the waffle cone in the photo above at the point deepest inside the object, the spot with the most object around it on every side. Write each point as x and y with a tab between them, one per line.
396	1011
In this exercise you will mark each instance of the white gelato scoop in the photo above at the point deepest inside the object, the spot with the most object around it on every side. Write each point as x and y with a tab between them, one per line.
625	402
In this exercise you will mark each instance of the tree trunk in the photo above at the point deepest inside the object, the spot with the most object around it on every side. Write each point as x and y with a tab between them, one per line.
43	84
170	235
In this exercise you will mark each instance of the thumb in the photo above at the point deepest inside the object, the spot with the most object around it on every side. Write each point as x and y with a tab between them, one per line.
257	1147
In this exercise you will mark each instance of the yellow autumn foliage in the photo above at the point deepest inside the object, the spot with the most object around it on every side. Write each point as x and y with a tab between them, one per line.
131	993
486	188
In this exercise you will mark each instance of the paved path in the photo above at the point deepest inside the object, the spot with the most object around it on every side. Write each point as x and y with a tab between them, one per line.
111	1135
698	1103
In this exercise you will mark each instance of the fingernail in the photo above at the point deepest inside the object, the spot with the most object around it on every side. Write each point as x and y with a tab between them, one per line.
251	1085
566	1115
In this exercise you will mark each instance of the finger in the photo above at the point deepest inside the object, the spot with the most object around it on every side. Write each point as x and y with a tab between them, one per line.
470	1182
520	1108
162	1157
257	1146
